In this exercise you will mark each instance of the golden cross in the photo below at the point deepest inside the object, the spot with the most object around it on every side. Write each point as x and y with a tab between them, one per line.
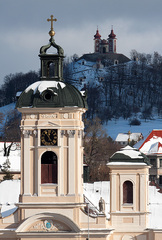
51	20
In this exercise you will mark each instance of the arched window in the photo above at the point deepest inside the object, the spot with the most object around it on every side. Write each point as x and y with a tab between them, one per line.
51	72
104	50
49	167
127	192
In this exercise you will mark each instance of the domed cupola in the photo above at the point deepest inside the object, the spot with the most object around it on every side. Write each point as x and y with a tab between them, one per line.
129	155
51	91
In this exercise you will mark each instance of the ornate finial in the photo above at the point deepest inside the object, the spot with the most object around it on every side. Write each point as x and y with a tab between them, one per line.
51	32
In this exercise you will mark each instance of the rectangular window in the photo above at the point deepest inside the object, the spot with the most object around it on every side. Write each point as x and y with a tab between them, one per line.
161	163
153	162
160	180
152	178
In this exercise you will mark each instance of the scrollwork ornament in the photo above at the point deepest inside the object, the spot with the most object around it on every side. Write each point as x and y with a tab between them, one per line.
62	133
71	133
26	133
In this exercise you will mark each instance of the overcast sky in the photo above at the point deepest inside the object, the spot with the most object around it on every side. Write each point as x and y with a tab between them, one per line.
24	28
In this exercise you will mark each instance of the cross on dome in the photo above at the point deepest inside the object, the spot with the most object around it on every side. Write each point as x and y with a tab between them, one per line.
51	32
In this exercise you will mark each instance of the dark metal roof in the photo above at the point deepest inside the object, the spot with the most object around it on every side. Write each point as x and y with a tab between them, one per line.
129	154
51	94
93	57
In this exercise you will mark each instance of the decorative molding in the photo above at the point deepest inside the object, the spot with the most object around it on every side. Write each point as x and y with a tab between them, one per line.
79	133
26	133
62	132
35	132
65	115
45	116
49	225
71	133
31	116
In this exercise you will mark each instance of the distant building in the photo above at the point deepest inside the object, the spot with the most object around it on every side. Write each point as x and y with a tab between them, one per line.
104	52
152	147
103	45
125	138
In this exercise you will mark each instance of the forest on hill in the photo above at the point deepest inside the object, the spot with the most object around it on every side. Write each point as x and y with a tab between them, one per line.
123	91
131	91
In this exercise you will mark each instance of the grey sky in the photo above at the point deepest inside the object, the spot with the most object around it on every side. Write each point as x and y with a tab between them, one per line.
24	28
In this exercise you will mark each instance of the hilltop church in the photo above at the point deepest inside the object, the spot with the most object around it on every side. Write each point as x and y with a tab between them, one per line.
51	203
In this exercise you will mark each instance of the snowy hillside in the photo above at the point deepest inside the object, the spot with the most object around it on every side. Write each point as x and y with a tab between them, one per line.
122	126
115	126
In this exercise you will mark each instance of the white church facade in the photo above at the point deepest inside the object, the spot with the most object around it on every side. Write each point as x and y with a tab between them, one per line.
51	202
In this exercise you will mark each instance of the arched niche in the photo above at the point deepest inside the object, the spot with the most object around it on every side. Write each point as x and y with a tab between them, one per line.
127	192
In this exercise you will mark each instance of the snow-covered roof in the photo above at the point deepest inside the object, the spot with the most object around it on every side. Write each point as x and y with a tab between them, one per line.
43	85
129	155
153	143
123	137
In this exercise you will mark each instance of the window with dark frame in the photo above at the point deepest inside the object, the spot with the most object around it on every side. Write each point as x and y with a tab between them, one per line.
49	167
127	192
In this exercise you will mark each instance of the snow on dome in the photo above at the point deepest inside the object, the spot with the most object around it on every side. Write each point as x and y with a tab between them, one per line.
130	152
43	85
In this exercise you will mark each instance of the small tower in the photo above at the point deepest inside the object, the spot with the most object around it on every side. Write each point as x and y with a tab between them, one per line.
112	42
97	40
129	171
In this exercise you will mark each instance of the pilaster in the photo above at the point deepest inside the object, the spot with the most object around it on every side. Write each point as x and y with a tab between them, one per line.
26	157
71	163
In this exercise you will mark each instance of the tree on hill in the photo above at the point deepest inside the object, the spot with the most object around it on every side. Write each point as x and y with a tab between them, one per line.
6	170
98	148
14	83
11	130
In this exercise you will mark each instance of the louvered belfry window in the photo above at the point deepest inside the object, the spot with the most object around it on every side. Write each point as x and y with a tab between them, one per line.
127	192
49	167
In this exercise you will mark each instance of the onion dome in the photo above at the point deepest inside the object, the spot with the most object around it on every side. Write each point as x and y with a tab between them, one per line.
129	155
112	35
97	35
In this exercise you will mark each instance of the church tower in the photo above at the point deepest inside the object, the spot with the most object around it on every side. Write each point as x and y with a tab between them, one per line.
97	41
112	42
51	135
51	203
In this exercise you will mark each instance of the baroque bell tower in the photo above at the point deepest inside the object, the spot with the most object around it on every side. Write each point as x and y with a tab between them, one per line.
51	203
51	139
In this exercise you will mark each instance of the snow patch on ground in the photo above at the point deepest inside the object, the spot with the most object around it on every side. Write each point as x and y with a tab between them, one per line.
10	191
